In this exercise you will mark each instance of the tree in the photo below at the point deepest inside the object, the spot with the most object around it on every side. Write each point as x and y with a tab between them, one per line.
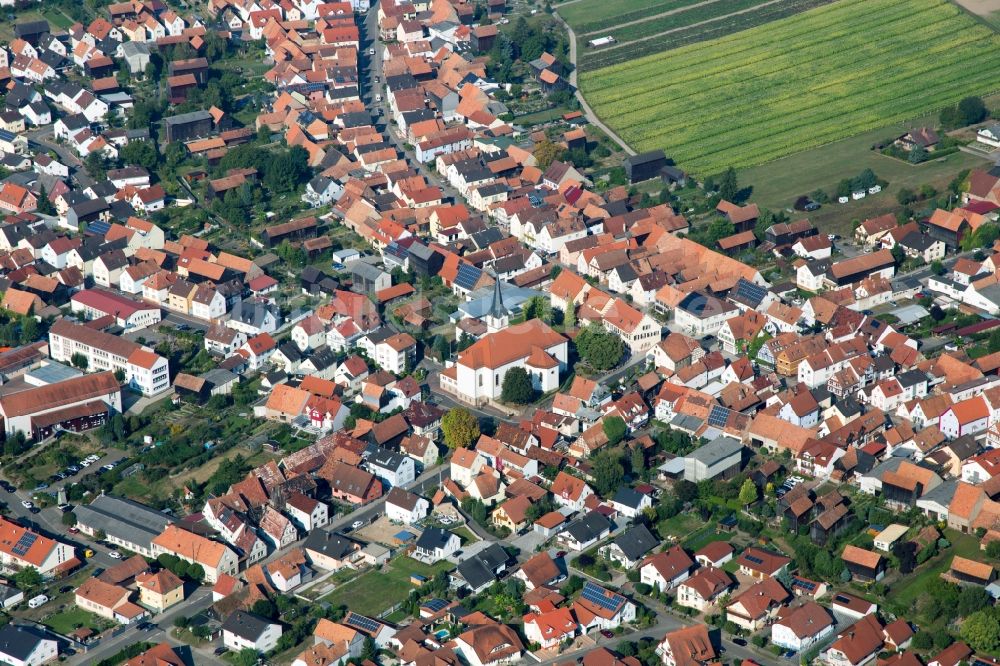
265	608
246	657
27	579
638	461
517	387
142	153
729	187
686	491
614	429
546	153
608	472
937	267
917	154
69	519
569	316
44	206
993	549
79	360
748	493
905	196
96	166
369	650
460	428
937	314
981	630
600	348
972	110
898	255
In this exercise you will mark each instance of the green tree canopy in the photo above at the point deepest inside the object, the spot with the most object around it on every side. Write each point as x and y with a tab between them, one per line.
981	630
600	348
608	472
460	428
729	187
142	153
546	153
748	492
517	387
614	429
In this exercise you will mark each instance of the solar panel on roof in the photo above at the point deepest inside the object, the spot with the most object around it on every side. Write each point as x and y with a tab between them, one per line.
754	559
603	598
804	584
434	605
750	291
24	544
718	417
99	227
467	276
361	622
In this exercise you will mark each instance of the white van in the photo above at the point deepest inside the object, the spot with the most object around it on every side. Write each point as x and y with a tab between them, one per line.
35	602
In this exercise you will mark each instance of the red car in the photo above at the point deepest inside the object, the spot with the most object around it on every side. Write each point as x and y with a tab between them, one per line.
607	634
73	530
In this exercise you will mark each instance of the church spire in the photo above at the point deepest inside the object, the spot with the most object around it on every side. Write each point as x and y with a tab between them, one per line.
497	308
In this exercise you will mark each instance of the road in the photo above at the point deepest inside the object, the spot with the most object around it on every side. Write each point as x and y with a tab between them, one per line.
587	111
369	75
199	600
44	138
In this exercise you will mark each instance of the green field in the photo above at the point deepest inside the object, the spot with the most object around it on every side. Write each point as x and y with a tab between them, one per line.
587	15
639	33
798	83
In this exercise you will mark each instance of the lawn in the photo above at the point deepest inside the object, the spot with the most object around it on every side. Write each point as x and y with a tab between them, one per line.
703	537
798	83
776	185
67	621
374	592
466	535
903	594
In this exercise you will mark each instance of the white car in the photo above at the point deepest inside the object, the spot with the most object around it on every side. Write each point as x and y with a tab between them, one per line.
371	52
115	555
84	463
27	504
357	524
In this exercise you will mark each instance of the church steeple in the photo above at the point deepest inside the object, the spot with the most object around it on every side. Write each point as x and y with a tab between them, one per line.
498	317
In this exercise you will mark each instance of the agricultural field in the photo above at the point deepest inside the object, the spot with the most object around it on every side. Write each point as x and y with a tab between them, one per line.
797	83
649	27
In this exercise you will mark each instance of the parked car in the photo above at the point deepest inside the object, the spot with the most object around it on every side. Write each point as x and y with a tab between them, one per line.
221	650
811	206
115	555
27	504
357	524
607	634
74	530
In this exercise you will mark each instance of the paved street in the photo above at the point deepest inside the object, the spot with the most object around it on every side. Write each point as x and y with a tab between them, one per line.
370	69
44	138
199	600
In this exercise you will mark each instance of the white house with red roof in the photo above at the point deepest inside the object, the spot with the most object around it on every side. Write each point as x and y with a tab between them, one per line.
967	417
570	491
129	314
